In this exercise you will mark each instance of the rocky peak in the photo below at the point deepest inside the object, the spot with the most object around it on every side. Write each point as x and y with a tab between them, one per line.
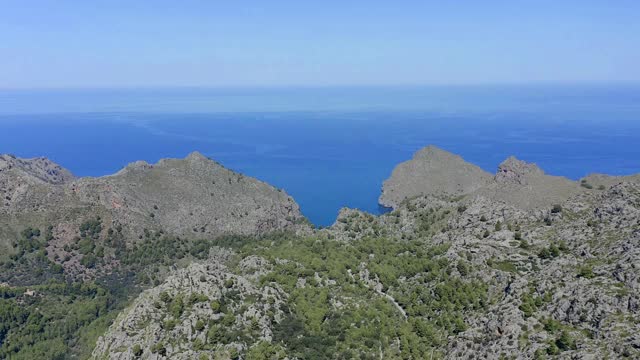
197	156
434	153
516	171
194	158
432	171
41	168
135	166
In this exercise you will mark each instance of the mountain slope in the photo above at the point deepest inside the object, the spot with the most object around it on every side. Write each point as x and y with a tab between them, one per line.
517	265
192	198
432	171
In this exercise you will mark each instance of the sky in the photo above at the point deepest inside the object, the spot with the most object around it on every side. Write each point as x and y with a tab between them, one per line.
212	43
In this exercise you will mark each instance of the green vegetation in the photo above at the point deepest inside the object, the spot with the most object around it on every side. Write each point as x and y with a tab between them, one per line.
29	264
585	184
53	321
586	271
62	319
549	252
434	301
504	265
530	302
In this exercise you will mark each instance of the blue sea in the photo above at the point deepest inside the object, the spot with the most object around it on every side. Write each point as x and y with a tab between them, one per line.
328	147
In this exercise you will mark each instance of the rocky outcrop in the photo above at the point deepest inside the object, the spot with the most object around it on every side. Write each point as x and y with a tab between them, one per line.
436	172
527	187
514	171
432	171
183	317
40	168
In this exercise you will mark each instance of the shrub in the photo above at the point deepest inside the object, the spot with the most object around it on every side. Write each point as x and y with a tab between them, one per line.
137	350
165	297
586	272
565	342
89	261
215	306
528	305
550	252
585	184
91	228
170	324
463	268
29	233
177	306
197	298
159	348
551	325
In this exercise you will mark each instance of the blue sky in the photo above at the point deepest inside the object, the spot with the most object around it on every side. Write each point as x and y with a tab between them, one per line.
61	43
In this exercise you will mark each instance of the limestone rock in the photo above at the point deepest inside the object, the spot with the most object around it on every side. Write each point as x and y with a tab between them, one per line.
432	171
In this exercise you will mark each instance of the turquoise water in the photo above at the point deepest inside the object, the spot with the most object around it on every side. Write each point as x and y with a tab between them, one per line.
329	147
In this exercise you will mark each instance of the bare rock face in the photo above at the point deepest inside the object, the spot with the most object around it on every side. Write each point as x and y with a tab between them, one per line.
516	171
527	187
436	172
40	168
194	307
432	171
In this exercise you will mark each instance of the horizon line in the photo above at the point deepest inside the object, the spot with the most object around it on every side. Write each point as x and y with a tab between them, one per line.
324	86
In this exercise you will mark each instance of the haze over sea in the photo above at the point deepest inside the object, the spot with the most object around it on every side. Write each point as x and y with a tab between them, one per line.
328	147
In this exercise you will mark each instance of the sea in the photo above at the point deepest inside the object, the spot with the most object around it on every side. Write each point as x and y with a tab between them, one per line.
328	147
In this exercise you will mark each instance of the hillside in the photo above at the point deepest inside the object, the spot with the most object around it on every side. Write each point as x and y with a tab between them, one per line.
462	275
193	198
517	265
83	246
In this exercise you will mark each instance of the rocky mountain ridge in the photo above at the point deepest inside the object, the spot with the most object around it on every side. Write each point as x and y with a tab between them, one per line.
193	198
433	171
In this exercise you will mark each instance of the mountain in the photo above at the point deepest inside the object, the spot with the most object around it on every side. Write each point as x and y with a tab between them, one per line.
467	265
516	182
432	171
192	198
